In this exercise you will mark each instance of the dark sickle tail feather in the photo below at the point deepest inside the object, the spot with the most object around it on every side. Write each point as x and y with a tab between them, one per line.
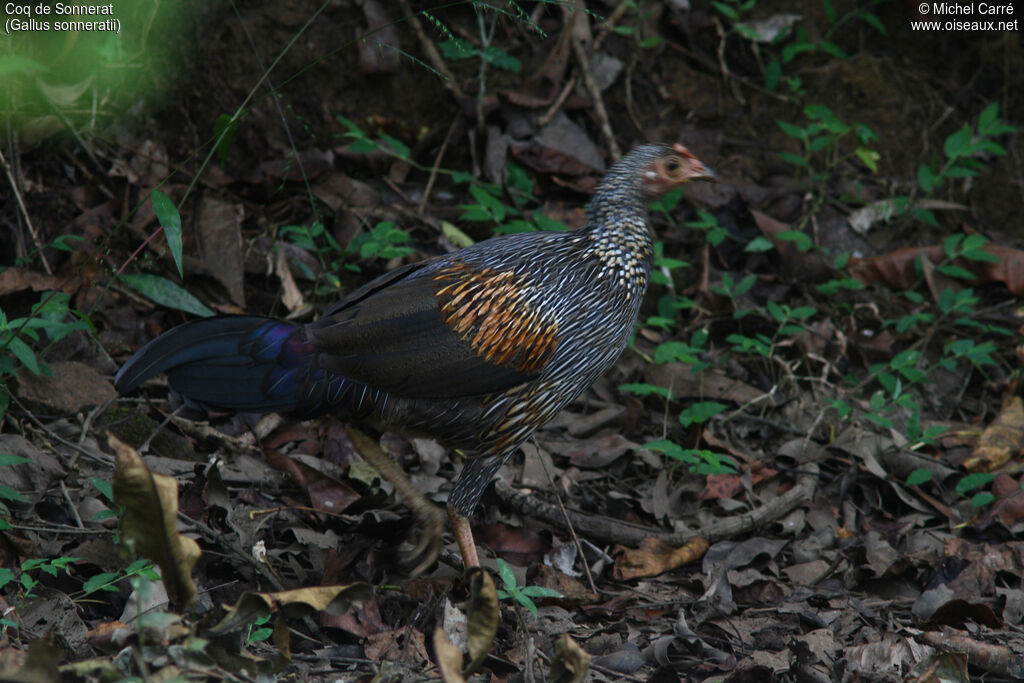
236	363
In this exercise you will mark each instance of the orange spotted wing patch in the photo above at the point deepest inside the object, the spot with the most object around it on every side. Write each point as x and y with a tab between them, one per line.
490	310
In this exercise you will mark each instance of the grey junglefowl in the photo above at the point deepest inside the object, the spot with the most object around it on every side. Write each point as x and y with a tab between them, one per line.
477	348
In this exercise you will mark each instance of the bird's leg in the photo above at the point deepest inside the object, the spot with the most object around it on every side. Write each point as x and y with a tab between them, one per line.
426	513
464	537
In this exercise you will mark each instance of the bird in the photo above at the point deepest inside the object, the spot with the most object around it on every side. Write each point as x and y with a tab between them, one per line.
477	348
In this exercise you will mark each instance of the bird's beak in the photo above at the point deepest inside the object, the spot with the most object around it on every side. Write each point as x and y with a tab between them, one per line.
697	170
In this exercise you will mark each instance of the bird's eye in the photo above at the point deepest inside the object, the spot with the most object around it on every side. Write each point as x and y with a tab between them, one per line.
672	165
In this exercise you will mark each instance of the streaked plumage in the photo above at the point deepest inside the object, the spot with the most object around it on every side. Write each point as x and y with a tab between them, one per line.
477	348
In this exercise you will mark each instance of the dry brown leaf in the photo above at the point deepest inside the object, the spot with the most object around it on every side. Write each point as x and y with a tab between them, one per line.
449	658
481	619
16	279
725	486
1001	441
297	603
149	524
570	663
896	269
654	557
406	644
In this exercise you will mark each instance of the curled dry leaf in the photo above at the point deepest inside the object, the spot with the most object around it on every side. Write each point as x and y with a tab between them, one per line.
149	524
570	663
449	658
482	619
1001	441
297	603
654	557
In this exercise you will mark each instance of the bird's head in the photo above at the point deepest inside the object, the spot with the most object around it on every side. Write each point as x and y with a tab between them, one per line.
665	168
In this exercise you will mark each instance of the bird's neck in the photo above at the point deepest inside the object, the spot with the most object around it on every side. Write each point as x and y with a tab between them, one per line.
617	236
618	214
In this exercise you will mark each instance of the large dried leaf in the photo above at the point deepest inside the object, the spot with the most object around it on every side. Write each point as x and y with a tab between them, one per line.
1001	441
149	524
896	269
449	658
297	603
570	663
482	620
654	557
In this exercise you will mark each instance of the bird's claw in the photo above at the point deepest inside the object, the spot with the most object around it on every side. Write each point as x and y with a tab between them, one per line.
431	538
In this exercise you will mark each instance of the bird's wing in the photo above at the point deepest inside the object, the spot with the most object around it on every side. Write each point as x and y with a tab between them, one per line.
448	332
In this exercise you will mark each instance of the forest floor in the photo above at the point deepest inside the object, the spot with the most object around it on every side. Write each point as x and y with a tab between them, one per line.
804	468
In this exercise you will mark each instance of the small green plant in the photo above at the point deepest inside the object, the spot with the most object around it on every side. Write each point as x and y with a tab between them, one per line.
488	207
383	241
27	579
50	317
635	28
457	49
820	140
962	150
697	460
258	631
107	581
524	595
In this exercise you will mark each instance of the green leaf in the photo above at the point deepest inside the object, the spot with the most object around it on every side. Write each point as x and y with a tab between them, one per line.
400	149
166	293
925	178
956	271
988	117
24	354
831	48
170	220
830	12
982	499
958	144
7	493
802	240
540	592
918	477
924	215
792	130
508	577
973	481
363	146
758	245
701	412
103	487
11	459
868	157
501	59
458	48
103	581
644	389
726	10
794	159
872	20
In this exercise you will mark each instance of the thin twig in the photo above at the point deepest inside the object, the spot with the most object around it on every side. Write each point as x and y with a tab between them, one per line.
24	212
617	531
545	119
595	93
568	522
437	163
